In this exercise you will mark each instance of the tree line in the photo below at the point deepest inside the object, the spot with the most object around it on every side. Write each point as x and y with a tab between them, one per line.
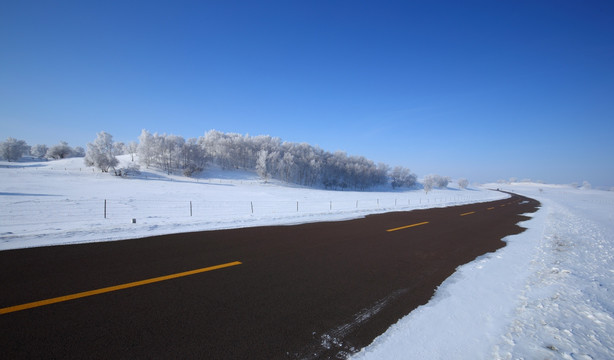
270	157
12	150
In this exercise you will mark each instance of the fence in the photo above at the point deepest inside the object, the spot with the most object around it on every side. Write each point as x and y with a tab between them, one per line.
24	212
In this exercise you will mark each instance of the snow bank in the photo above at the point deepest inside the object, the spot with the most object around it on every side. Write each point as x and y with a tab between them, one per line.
62	202
566	309
546	295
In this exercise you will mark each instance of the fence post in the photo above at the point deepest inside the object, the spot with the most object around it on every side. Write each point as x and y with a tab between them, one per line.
297	206
331	205
105	208
252	204
190	208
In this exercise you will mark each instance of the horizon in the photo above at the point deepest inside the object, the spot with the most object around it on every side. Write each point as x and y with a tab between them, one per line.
481	90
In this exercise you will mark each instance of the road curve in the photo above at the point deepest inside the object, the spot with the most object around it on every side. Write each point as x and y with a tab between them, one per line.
310	291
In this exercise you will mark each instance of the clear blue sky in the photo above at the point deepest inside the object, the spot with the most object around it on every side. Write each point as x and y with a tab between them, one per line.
485	90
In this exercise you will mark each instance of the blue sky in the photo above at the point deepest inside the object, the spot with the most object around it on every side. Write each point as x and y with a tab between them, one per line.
485	90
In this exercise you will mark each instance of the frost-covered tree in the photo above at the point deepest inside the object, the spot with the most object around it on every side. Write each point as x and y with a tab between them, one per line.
270	157
132	148
13	149
287	166
432	181
119	148
39	151
193	158
428	184
262	167
147	148
60	151
442	181
78	151
171	147
171	153
402	177
463	183
100	152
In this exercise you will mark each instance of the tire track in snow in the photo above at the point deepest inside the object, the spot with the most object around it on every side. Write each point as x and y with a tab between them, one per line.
334	339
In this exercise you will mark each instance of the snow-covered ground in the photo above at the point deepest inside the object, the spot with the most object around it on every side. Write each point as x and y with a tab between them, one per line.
546	295
62	202
549	294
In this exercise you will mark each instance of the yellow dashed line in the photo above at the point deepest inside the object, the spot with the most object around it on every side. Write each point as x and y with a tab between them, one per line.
112	288
407	226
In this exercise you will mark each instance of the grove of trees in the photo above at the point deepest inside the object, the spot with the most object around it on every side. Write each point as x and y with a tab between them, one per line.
297	163
13	150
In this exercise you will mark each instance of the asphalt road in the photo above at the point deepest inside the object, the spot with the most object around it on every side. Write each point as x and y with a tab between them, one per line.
311	291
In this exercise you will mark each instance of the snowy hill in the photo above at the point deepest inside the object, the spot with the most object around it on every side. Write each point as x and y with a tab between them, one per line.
61	202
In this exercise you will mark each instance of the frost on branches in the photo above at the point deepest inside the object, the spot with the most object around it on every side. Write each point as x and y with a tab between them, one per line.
100	153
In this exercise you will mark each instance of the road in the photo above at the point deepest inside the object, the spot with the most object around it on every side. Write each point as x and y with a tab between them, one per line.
310	291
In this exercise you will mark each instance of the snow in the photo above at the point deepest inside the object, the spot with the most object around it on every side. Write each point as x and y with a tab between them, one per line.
546	295
63	202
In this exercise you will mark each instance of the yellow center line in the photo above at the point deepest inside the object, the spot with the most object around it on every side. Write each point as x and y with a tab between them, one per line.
31	305
468	213
407	226
490	208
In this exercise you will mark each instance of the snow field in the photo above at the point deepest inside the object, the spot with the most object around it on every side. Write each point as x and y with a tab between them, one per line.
61	202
